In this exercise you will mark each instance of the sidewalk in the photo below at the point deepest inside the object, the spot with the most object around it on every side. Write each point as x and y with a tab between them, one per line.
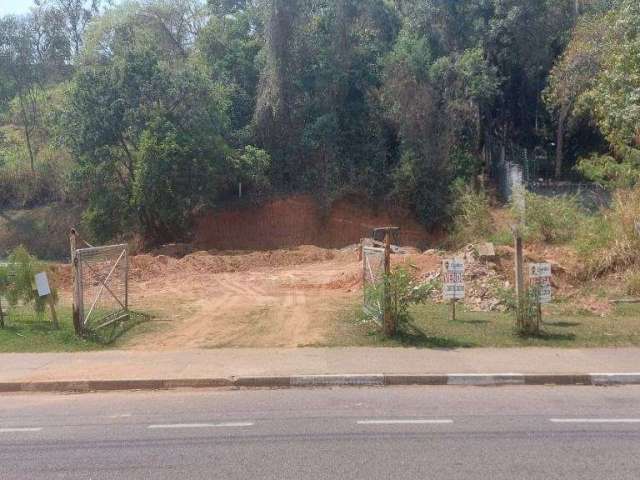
313	366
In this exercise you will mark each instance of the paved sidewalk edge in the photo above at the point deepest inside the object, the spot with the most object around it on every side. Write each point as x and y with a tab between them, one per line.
596	379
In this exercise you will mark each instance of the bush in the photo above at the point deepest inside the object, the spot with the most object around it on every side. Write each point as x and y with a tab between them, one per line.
527	320
404	291
17	280
552	219
611	241
472	220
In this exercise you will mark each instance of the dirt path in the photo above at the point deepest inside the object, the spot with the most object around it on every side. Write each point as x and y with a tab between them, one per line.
267	307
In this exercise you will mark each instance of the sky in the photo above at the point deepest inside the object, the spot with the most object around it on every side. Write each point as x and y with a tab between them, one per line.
14	6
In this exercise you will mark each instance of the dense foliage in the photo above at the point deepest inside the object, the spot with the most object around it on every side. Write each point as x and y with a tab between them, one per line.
152	110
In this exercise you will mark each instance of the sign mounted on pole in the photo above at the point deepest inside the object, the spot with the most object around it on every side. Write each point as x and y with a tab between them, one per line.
540	279
42	284
453	279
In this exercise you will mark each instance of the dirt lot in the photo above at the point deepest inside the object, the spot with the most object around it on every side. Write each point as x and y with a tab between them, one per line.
256	305
281	298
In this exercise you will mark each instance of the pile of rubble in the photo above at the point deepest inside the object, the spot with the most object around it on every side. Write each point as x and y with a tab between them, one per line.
484	276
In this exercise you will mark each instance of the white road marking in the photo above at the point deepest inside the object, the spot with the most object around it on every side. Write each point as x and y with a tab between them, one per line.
201	425
17	430
405	422
595	420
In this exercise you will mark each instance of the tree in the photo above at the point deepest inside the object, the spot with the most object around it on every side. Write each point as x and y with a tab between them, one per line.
138	118
573	75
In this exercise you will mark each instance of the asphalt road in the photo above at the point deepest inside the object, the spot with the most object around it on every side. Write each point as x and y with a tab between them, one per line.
368	433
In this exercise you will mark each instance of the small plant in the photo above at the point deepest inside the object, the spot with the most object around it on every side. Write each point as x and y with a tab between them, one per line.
403	291
526	317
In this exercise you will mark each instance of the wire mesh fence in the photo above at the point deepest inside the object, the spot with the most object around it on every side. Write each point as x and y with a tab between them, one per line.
373	281
103	286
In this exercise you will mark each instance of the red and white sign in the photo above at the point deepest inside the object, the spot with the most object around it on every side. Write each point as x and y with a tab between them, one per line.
540	279
453	279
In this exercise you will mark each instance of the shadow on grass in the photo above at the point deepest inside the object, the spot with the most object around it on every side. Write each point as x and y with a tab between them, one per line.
563	324
410	335
471	322
549	337
108	335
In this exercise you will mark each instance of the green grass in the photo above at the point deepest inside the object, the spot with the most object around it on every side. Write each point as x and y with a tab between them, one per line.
430	327
26	331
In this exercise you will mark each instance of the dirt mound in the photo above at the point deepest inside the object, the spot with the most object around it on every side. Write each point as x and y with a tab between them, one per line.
146	267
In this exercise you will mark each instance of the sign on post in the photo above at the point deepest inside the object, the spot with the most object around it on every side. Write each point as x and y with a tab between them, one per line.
42	284
453	279
540	278
44	290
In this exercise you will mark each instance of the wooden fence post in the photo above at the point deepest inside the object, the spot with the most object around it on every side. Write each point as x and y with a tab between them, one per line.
77	323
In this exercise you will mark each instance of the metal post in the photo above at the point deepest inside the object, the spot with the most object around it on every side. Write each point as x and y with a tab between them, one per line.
1	314
453	310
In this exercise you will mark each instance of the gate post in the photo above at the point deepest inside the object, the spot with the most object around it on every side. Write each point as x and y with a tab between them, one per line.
77	321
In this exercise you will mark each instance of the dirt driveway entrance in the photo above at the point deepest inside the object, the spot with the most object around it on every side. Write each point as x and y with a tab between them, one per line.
267	299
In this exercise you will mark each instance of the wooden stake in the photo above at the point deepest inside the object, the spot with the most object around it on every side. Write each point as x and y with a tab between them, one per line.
539	317
54	315
520	286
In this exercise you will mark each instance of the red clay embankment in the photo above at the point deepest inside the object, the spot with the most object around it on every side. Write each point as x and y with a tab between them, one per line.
299	220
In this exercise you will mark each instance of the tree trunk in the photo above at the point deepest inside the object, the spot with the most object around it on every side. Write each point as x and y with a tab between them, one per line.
27	132
562	120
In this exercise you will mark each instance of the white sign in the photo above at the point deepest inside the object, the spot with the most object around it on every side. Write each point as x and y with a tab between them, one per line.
453	279
42	284
540	278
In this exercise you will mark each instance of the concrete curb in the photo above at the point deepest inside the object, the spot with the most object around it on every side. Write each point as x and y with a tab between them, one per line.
356	380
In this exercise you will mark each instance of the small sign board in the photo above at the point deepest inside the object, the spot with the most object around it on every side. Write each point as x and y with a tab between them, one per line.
42	284
453	279
540	278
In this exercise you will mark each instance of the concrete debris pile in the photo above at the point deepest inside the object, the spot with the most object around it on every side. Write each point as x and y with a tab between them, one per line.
484	278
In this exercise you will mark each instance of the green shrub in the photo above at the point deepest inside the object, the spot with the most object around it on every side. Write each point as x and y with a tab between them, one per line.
526	320
472	220
552	219
404	291
611	241
17	282
503	236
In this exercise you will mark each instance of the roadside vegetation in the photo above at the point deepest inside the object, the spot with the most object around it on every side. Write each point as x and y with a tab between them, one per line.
430	326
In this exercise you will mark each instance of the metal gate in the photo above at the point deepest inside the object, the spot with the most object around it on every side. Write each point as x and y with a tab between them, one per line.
102	286
373	259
